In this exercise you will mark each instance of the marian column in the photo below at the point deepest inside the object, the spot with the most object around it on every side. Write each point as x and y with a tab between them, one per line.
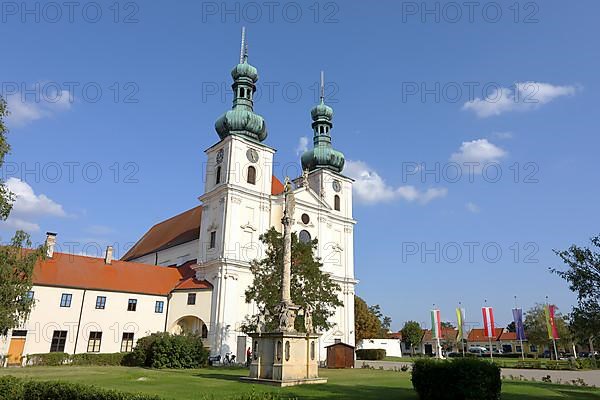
287	310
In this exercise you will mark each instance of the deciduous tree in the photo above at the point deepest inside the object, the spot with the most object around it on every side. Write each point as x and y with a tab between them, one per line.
412	334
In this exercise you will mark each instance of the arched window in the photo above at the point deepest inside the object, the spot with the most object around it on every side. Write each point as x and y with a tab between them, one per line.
336	203
251	175
218	176
204	331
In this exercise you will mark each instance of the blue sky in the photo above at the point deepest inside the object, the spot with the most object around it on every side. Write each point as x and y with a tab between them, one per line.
415	88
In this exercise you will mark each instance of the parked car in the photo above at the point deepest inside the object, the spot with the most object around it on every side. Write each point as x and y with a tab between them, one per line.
477	350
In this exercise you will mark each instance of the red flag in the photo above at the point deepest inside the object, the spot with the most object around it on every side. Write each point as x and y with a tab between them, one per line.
550	322
488	321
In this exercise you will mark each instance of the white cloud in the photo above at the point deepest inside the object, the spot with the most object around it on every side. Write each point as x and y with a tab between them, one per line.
302	145
524	96
480	152
472	207
370	188
22	111
28	204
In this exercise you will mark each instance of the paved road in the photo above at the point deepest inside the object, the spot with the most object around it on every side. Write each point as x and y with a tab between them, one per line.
591	378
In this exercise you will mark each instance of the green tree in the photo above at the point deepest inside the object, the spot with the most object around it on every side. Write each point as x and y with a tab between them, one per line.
367	324
512	327
16	262
536	329
310	286
583	276
412	334
448	325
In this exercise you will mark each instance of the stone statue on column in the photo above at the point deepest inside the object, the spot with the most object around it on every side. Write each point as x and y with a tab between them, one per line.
287	310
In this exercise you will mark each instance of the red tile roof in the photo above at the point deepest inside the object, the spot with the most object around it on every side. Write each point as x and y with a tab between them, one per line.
73	271
478	335
447	334
395	335
508	336
176	230
276	186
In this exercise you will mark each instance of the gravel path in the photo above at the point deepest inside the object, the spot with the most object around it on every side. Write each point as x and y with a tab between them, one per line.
591	378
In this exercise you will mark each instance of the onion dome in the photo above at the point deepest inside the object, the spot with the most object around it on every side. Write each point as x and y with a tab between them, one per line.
323	155
241	119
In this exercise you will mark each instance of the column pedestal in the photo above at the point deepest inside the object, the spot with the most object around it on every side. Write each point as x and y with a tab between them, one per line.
284	359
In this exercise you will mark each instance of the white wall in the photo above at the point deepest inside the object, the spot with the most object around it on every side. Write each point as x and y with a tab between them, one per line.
392	347
173	255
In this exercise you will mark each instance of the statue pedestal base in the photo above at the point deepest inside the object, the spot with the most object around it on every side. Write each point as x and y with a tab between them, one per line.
284	359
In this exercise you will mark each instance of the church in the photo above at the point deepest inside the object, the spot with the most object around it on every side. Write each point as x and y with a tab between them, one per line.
190	272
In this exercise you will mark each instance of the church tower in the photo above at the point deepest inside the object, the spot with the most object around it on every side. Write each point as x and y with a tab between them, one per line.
323	167
236	209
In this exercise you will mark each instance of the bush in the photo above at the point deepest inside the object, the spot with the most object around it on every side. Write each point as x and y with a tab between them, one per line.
370	354
101	359
12	388
163	350
459	379
47	359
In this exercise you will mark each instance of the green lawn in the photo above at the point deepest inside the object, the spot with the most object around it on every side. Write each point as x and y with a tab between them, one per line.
357	384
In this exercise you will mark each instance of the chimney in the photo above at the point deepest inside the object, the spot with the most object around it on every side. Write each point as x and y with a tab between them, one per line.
50	242
108	256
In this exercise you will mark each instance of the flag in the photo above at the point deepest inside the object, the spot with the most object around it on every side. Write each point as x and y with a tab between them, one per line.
550	310
488	321
518	318
460	321
436	324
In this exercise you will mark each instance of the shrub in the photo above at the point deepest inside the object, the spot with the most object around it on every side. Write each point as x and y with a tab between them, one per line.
47	359
458	379
12	388
101	359
163	350
370	354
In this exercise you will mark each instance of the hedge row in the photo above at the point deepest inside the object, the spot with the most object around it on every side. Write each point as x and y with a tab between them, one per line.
12	388
370	354
458	379
163	350
56	359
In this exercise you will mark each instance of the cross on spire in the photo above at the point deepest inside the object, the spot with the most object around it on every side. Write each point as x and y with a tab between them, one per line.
243	47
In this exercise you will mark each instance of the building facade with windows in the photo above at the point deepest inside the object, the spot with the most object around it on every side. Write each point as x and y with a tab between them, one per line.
192	270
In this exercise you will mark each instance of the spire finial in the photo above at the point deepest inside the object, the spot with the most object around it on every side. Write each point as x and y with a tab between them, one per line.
243	48
322	86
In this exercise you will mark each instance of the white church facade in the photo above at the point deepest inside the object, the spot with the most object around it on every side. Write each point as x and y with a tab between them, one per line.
198	262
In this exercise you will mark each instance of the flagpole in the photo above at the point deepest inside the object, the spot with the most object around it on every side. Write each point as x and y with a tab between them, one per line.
519	333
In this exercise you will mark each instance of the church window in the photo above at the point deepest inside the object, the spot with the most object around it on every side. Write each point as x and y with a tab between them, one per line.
218	176
213	240
204	331
304	236
65	300
336	203
251	175
305	219
191	299
159	306
242	92
100	302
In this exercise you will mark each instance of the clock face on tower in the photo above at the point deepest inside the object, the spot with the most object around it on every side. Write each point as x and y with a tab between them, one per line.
337	186
252	155
220	156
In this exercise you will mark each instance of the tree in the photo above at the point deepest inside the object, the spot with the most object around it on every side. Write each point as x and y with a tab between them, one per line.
448	325
583	276
536	329
16	262
367	325
512	327
412	334
310	286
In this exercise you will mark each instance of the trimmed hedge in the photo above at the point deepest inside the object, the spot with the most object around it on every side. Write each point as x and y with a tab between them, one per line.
370	354
458	379
101	359
47	359
12	388
163	350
